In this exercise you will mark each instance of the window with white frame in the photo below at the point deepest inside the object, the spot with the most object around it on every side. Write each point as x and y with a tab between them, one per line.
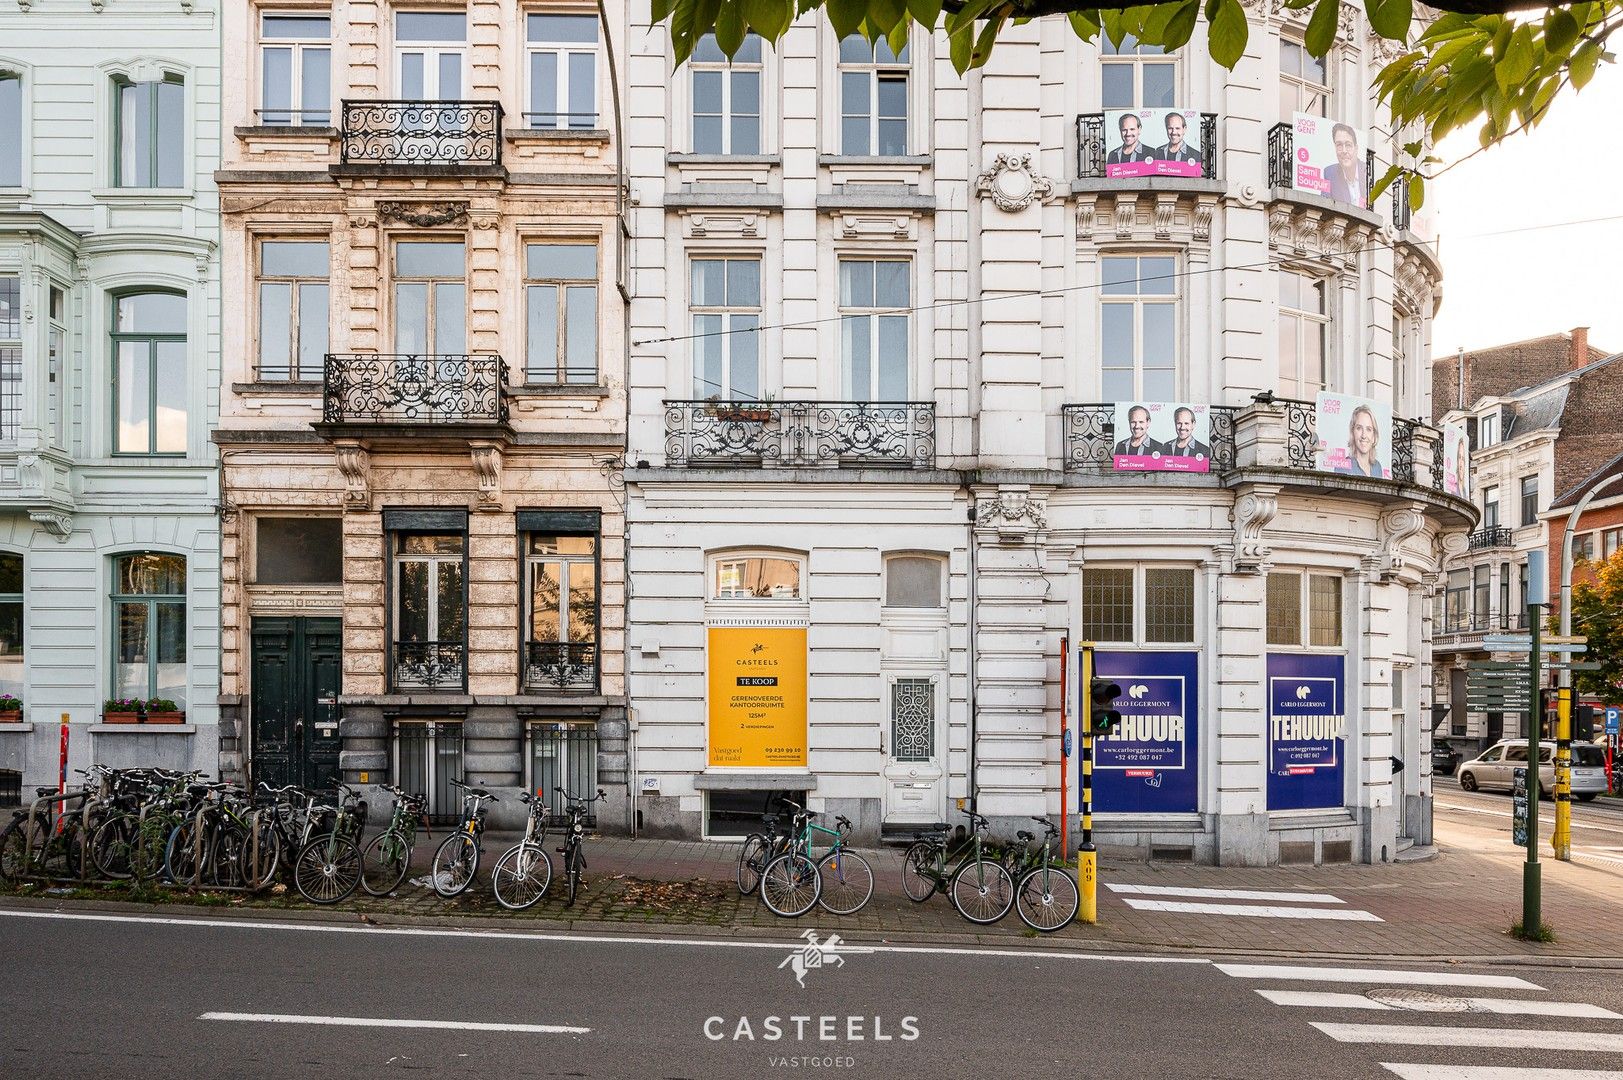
561	47
11	129
725	304
560	298
873	98
149	133
1583	546
150	387
11	625
295	68
1529	501
875	298
1400	362
56	338
1133	75
1487	429
1304	609
726	97
1304	82
429	48
1304	333
1610	541
914	582
293	289
1456	594
1138	328
11	356
1490	507
756	577
1147	605
149	627
430	313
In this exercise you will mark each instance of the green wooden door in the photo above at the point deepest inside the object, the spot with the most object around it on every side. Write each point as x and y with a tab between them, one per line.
297	671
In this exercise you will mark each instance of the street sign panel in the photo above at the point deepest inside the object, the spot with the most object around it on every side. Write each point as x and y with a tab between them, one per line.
1567	639
1613	716
1507	642
1560	648
1495	665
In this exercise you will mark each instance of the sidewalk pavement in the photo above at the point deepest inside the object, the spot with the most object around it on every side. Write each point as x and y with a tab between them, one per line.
1459	905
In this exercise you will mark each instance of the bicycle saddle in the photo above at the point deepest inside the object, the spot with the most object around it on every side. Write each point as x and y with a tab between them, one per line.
1024	835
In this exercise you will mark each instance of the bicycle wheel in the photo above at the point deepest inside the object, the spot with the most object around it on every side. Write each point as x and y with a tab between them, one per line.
982	891
521	876
750	861
111	850
328	869
180	862
456	861
1047	899
919	880
847	882
223	865
260	863
790	885
15	850
384	863
572	861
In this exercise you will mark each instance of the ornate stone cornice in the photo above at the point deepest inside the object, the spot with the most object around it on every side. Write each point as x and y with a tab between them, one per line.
423	215
1313	233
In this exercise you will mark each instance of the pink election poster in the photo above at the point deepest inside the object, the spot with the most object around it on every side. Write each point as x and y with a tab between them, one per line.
1153	142
1162	436
1329	159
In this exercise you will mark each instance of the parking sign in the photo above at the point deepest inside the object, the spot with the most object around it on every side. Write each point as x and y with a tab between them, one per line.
1613	716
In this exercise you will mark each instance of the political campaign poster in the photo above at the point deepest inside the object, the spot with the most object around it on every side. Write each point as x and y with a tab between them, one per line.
1151	763
1153	142
1355	435
1456	461
1307	731
1162	436
1330	159
757	696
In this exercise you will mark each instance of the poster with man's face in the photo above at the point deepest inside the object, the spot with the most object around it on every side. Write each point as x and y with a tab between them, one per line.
1162	436
1329	159
1456	461
1153	142
1355	435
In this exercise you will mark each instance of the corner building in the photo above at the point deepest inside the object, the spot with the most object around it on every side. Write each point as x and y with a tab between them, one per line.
882	320
424	409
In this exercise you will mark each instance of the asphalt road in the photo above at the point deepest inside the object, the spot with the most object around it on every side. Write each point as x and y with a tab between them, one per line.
1597	827
89	996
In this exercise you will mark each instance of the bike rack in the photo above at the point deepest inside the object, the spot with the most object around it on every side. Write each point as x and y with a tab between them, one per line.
34	810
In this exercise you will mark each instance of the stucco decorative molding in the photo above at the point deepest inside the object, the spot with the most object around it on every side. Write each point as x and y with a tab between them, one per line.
1397	525
1248	195
487	466
1252	511
1126	216
1014	514
1205	209
25	4
485	220
1452	545
361	220
877	226
1311	233
743	225
1013	183
423	215
1084	219
1165	206
57	524
353	464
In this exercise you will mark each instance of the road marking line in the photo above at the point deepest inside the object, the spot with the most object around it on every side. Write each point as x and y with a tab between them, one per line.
1495	1038
1378	976
1493	1072
1224	894
1315	999
595	939
369	1021
1254	911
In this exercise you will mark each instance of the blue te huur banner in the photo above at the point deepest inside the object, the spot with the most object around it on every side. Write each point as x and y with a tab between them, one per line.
1151	763
1307	731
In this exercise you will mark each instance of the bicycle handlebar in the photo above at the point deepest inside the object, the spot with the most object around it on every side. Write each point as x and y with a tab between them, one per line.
601	794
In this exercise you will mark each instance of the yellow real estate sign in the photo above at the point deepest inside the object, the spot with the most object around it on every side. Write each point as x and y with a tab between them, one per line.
758	696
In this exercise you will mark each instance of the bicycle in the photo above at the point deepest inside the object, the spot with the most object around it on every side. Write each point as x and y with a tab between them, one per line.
522	874
386	860
574	843
456	860
845	880
207	849
979	887
790	883
1047	896
759	849
328	868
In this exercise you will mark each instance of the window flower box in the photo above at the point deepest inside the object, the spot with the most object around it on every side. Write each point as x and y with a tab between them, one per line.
11	709
166	716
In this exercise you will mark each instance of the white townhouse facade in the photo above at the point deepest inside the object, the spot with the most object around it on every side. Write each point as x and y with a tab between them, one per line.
109	382
881	318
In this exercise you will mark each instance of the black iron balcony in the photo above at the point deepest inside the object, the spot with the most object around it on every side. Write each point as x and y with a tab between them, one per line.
1494	536
560	665
1282	160
405	388
428	665
1400	202
1091	153
797	433
1090	437
430	135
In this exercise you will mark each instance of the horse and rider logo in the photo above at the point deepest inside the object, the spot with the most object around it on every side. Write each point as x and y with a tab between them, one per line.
813	954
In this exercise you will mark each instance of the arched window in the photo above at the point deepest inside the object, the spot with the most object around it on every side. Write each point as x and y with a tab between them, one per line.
11	625
149	627
756	577
914	581
149	373
149	122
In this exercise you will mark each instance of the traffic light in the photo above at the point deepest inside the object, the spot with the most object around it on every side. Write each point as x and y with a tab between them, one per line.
1102	716
1583	722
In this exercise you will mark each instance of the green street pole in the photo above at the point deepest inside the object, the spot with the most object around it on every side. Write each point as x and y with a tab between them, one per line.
1532	890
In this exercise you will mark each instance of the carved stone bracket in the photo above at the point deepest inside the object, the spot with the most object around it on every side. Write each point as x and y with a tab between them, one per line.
1397	525
1014	513
353	463
1252	512
1126	216
487	465
1317	234
57	524
423	215
1084	219
1013	183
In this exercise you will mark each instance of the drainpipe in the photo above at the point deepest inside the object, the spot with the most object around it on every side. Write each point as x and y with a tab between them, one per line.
1459	364
969	762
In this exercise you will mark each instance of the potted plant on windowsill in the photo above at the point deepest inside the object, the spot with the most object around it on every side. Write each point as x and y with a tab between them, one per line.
121	711
11	709
163	711
753	412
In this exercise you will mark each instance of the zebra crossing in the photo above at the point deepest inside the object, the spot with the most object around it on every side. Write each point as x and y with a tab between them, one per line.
1390	992
1245	903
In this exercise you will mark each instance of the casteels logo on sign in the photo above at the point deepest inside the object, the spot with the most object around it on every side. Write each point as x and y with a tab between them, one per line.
813	954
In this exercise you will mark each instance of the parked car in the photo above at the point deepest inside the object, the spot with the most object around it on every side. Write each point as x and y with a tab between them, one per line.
1495	769
1444	758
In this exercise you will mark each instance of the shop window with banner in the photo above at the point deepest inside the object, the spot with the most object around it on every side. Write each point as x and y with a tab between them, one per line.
562	755
427	757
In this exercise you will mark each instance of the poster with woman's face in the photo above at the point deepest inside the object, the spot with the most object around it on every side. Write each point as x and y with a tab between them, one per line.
1329	159
1456	461
1355	435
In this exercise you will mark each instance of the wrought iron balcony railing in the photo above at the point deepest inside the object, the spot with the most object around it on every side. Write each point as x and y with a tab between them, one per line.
1091	154
561	665
1282	160
1090	437
1494	536
1400	202
794	433
428	665
1302	440
426	134
1492	622
414	389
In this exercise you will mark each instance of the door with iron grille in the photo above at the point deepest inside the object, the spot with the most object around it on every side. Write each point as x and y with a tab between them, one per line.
915	785
563	755
293	703
427	757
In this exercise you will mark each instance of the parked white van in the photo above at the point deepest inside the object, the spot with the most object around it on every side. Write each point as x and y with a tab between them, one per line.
1495	769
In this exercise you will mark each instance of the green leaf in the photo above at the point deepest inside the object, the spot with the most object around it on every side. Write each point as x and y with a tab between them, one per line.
1516	62
1321	29
988	38
1583	65
1181	27
730	29
658	10
1228	33
1387	179
770	18
1084	27
925	12
1560	31
1390	18
883	15
960	44
846	16
897	38
1417	191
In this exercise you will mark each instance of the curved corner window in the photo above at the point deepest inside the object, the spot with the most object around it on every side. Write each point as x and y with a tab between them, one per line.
149	373
11	625
757	577
150	133
149	627
11	129
913	581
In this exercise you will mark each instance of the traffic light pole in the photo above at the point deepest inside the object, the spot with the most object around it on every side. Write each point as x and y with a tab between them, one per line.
1087	856
1532	889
